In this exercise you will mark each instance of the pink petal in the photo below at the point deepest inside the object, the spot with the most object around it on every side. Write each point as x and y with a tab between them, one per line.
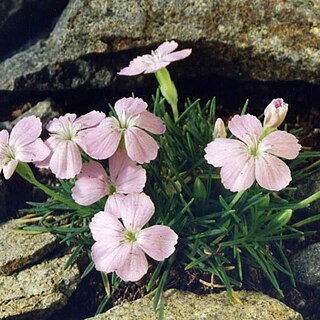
131	106
136	211
282	144
140	146
45	163
117	162
106	228
238	173
62	123
178	55
89	190
4	136
222	150
9	168
66	160
136	66
151	123
271	172
156	65
103	141
247	128
131	179
167	47
158	242
113	205
90	119
33	152
134	264
93	169
25	131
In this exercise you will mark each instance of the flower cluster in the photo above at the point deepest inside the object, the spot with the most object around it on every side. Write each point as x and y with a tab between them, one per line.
127	140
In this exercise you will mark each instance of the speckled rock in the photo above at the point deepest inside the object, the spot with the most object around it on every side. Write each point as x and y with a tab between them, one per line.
188	306
37	292
306	265
20	249
266	40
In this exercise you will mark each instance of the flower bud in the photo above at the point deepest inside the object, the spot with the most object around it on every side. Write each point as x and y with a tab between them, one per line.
219	130
199	191
275	113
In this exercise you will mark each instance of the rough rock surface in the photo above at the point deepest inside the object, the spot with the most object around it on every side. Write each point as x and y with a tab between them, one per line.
37	292
188	306
267	40
20	249
305	265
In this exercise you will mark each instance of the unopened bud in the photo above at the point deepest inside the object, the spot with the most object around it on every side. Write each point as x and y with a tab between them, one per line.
199	191
219	130
275	113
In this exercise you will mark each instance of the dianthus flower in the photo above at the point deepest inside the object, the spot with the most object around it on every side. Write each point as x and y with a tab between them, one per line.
158	59
127	130
66	142
22	145
121	245
93	182
254	157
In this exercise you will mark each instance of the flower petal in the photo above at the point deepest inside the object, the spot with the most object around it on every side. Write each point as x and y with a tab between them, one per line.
90	119
281	144
61	124
25	131
148	121
4	136
103	141
131	179
134	264
178	55
222	150
136	211
238	173
66	160
158	242
9	168
167	47
113	205
117	162
130	106
271	172
33	152
140	146
247	128
156	65
136	66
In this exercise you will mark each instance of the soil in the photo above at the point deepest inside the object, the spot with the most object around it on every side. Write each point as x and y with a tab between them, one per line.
304	112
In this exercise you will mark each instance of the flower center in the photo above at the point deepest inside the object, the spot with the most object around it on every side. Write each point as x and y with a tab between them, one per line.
131	236
9	153
127	122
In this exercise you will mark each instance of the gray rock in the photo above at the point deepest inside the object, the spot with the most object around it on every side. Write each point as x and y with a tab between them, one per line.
306	265
45	110
189	306
266	40
37	292
20	249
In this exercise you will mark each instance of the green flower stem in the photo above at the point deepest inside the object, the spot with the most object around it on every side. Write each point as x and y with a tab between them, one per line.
168	90
304	203
24	170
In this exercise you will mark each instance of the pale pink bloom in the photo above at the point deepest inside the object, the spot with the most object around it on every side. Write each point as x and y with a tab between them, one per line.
219	130
94	183
275	113
129	128
252	159
121	245
158	59
23	144
66	141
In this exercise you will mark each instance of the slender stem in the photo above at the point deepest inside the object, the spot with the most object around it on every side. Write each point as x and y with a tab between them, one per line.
304	203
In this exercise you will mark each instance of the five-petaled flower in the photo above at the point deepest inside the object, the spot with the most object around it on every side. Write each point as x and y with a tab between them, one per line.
66	141
94	183
127	130
253	158
23	144
121	245
158	59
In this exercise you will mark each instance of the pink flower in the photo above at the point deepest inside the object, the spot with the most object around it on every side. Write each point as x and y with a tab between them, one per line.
93	182
129	128
22	145
66	141
275	113
158	59
121	245
252	158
